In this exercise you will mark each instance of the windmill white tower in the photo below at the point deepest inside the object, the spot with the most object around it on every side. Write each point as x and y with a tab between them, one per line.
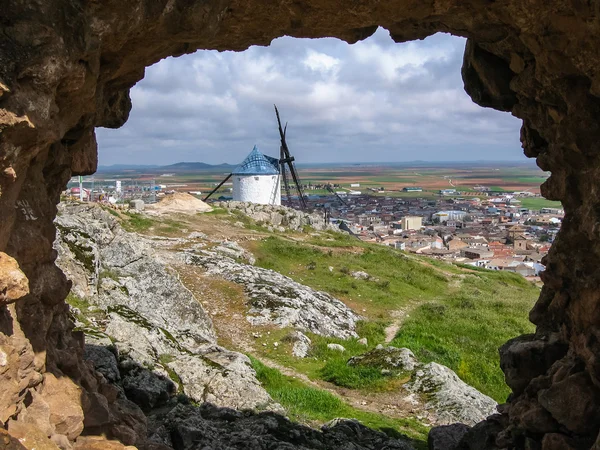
257	179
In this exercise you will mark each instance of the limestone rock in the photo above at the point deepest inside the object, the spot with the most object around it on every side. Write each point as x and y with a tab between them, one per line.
64	400
449	398
277	299
223	378
29	436
388	358
280	217
336	347
301	343
13	282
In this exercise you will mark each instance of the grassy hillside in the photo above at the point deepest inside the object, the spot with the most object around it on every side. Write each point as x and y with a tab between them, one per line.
449	314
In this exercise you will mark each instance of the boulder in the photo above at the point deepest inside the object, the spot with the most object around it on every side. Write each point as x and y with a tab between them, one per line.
222	377
448	398
446	437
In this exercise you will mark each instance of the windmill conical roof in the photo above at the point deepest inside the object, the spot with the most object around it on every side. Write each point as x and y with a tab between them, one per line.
257	164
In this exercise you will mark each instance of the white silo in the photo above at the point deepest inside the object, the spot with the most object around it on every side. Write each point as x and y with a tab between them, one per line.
256	180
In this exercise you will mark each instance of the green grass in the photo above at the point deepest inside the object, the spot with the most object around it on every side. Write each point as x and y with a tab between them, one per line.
464	330
538	203
306	404
137	222
458	316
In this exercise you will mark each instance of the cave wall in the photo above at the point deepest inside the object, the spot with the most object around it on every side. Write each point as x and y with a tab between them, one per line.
66	67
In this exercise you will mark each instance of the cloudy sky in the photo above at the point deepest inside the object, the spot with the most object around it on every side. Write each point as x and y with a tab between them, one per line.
374	101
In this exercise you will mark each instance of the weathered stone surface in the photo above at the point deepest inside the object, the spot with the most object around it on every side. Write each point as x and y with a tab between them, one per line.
279	216
13	282
446	437
277	299
30	437
301	343
184	426
449	399
223	378
64	400
387	358
67	67
124	270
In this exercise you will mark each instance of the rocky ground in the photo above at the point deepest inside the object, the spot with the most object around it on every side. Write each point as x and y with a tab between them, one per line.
139	300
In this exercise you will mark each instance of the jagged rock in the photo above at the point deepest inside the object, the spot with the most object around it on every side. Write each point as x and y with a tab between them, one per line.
277	299
234	250
446	437
104	361
574	402
388	358
13	282
336	347
449	399
184	426
223	378
111	267
28	436
156	325
147	389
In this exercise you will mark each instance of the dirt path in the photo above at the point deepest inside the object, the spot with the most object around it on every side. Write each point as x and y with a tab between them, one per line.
225	303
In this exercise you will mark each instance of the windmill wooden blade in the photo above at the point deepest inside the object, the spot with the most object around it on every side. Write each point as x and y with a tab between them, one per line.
287	163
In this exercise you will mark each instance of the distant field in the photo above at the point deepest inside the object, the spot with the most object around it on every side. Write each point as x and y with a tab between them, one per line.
499	178
537	203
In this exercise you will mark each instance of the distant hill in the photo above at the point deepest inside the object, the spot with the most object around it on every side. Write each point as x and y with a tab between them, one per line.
194	166
172	168
119	167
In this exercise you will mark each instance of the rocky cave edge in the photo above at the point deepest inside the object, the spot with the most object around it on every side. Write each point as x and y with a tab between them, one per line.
66	67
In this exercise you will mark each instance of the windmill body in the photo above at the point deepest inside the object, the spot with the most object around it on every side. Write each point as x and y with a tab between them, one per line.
257	179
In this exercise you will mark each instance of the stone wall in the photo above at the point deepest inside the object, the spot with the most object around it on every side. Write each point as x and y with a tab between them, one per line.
66	67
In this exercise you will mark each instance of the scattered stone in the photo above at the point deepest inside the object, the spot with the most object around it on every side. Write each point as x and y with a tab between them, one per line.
280	218
336	347
363	341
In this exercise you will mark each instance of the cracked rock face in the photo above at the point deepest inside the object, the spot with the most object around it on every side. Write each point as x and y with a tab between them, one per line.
67	67
277	299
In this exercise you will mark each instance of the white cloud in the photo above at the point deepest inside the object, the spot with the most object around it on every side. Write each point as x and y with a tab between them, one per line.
375	100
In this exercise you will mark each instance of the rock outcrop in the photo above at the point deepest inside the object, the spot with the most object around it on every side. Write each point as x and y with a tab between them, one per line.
66	67
279	217
443	397
279	300
152	320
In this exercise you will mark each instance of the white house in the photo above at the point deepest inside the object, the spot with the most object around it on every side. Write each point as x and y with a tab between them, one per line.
257	179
